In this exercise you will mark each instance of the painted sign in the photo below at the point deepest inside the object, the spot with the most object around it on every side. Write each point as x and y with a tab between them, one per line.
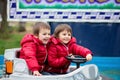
69	4
64	10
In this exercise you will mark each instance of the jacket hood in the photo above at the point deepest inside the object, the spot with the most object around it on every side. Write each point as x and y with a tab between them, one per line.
57	41
30	38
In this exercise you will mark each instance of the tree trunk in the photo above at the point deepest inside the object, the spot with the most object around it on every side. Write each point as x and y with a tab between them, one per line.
4	23
22	27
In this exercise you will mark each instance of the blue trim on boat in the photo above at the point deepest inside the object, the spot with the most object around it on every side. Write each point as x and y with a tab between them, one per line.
109	62
1	59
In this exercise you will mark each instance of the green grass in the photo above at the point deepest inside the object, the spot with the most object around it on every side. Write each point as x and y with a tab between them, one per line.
12	42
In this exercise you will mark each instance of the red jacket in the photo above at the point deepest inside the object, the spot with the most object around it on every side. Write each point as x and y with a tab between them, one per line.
34	52
58	51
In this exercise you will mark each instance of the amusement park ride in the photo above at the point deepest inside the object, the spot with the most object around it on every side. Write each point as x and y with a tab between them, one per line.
16	69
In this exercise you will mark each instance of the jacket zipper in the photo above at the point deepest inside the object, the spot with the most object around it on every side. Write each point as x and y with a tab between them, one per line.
61	71
67	54
46	54
41	69
66	48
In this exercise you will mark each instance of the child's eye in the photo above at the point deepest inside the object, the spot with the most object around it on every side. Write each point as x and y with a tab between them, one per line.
64	34
49	34
44	34
69	34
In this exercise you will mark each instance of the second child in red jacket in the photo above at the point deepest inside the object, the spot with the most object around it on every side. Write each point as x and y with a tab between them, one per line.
62	45
34	48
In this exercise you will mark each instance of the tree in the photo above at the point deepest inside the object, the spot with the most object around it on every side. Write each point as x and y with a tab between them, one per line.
21	27
4	23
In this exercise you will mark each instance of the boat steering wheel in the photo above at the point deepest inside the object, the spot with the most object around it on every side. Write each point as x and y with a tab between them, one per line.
77	59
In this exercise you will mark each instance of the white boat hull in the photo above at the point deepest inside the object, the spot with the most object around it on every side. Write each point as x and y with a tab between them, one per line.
21	72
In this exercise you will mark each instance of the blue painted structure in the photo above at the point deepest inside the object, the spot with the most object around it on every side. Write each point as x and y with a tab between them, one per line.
102	38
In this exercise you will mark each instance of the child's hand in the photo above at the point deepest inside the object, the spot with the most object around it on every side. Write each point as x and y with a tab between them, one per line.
36	73
89	57
71	55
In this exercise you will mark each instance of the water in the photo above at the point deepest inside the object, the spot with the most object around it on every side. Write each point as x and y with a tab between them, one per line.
108	66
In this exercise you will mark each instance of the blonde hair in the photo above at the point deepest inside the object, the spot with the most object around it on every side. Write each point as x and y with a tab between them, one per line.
60	28
40	25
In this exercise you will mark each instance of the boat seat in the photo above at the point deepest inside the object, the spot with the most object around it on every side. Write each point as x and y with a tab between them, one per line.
12	53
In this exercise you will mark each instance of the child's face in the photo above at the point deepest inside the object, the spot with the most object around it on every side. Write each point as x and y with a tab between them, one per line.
44	35
65	36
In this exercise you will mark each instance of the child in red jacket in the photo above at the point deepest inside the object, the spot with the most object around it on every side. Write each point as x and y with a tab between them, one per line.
62	45
34	49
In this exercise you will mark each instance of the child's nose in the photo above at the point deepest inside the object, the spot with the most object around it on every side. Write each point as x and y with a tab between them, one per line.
67	35
47	35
